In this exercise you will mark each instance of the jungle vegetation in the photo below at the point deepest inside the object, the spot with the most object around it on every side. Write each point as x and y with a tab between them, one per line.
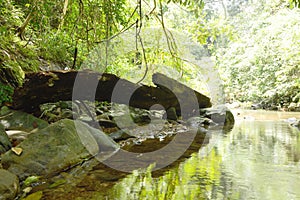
254	45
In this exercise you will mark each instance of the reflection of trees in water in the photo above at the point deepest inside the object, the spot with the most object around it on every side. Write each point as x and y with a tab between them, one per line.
242	166
260	161
195	178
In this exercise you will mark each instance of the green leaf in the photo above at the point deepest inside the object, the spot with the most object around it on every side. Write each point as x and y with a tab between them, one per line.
31	179
34	196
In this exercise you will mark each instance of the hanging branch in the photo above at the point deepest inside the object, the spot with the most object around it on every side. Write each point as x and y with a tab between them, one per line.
87	35
107	19
138	27
169	36
170	44
75	56
152	10
20	30
145	59
119	33
66	3
138	37
140	16
122	30
107	42
75	27
170	39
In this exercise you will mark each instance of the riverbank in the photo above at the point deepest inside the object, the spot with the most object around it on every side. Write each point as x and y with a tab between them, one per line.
284	107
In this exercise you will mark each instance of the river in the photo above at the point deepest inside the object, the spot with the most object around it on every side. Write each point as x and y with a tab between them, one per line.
257	159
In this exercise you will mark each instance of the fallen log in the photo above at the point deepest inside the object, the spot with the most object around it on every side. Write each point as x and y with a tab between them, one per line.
54	86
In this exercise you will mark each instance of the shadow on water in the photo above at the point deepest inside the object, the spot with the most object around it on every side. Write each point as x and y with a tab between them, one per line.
258	159
95	180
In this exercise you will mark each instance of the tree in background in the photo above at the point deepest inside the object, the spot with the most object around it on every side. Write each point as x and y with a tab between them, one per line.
262	65
255	44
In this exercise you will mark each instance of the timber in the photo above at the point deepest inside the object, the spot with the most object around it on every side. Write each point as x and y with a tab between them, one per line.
54	86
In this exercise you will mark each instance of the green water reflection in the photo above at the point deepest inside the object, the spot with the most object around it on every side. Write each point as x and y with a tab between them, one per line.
258	159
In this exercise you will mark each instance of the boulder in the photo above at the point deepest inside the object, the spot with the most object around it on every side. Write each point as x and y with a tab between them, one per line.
5	144
171	114
219	114
256	106
296	124
120	135
58	147
9	185
196	122
17	120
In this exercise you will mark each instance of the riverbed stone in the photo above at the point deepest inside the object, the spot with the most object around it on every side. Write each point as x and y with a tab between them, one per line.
17	120
196	122
171	114
120	135
5	143
58	147
9	185
296	124
219	114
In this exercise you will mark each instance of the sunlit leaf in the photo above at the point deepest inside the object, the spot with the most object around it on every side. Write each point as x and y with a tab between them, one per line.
34	196
17	150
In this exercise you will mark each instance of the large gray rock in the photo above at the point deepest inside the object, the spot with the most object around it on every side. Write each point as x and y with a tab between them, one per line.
58	147
9	185
17	120
5	144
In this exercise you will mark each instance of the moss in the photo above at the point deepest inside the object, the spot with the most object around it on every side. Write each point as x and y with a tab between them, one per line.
6	92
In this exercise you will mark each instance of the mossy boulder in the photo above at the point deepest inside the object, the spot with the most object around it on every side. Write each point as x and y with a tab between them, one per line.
9	185
58	147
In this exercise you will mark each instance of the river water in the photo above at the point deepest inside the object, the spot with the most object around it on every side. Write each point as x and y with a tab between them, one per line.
258	159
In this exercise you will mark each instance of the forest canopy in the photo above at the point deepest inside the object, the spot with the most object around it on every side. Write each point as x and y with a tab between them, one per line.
254	45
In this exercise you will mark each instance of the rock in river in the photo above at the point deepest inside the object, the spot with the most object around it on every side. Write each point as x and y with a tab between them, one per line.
296	124
9	185
221	115
17	120
58	147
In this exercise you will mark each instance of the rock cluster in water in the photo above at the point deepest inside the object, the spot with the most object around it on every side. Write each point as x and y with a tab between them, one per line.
43	150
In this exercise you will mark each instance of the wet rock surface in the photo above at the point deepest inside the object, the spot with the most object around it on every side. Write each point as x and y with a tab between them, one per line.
9	185
220	115
56	148
296	124
69	149
16	120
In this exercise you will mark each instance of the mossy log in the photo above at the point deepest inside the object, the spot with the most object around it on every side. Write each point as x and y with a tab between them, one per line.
54	86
